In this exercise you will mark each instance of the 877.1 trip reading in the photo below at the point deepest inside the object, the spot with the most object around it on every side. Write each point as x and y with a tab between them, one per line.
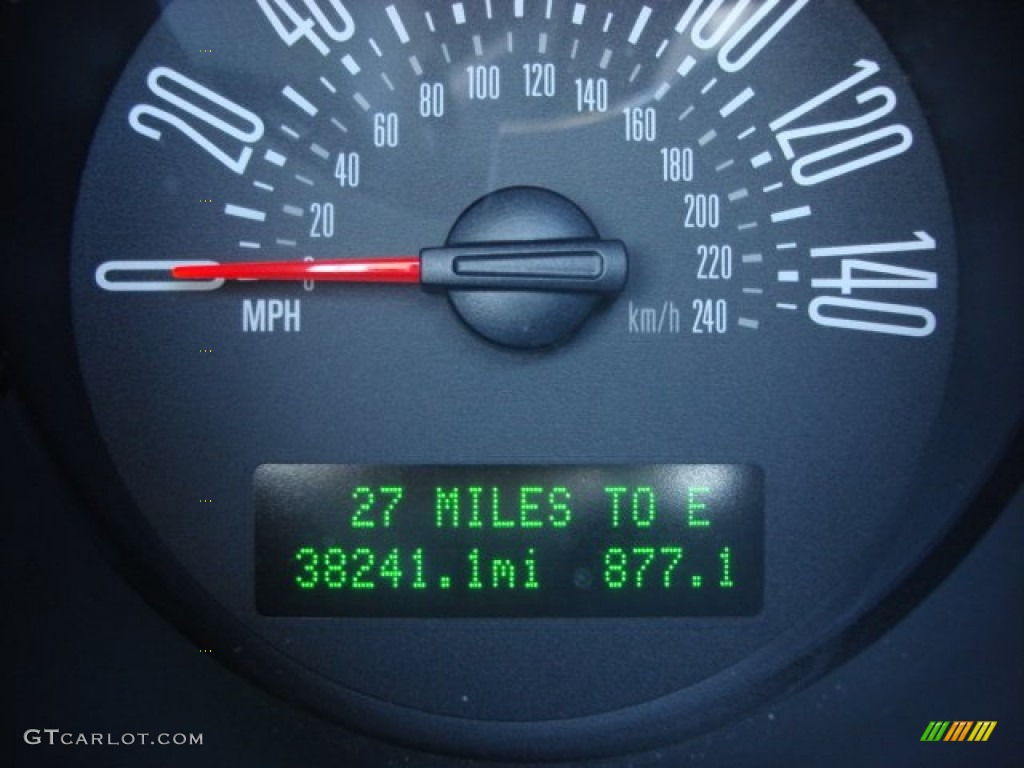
657	540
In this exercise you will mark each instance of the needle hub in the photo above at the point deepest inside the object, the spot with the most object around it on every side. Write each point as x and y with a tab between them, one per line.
525	267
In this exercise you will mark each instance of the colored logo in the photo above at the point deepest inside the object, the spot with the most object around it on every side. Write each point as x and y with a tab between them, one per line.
958	730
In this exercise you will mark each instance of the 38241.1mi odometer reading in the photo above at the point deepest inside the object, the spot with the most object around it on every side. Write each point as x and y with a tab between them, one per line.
509	257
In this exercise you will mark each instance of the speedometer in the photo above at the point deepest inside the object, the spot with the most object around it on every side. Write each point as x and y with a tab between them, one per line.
623	324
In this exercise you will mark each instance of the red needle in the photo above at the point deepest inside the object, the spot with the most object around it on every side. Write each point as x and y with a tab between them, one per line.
585	265
396	269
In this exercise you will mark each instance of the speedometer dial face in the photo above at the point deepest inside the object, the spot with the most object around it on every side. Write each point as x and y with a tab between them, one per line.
652	312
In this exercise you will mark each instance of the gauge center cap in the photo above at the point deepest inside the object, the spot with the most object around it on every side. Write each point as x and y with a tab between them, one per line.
524	318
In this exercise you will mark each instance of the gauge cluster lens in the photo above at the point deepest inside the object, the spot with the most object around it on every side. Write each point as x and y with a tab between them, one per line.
620	324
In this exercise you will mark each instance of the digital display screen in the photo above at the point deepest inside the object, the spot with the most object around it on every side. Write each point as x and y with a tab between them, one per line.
509	541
